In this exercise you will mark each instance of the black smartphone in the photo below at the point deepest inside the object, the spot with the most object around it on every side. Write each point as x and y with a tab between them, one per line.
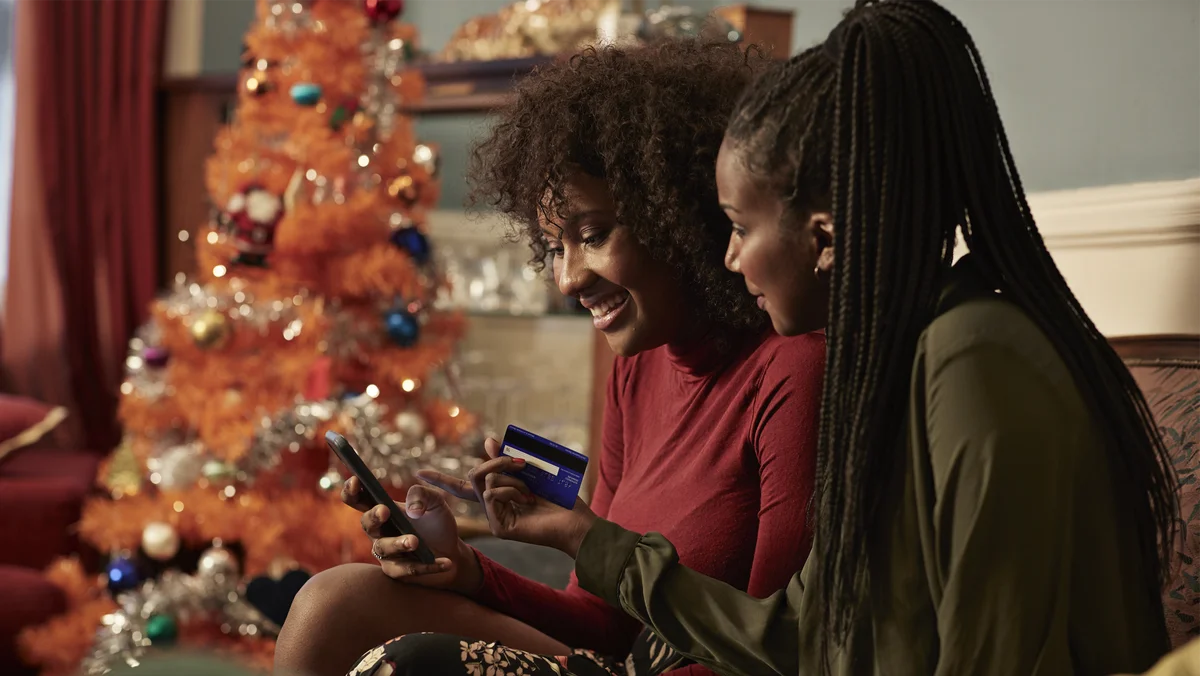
397	524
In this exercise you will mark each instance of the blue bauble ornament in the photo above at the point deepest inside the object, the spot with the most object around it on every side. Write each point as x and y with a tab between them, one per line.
414	242
402	327
122	574
161	630
306	93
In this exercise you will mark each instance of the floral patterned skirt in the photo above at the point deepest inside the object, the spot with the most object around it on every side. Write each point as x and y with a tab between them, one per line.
430	654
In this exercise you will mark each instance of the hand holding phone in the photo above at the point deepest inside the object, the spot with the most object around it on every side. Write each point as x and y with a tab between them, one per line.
396	523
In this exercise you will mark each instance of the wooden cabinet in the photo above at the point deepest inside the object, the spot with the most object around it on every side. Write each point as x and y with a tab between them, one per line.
192	112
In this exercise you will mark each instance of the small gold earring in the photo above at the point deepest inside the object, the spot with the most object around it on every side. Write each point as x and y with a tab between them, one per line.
817	272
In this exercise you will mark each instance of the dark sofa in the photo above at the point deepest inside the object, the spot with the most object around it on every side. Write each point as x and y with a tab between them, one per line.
42	489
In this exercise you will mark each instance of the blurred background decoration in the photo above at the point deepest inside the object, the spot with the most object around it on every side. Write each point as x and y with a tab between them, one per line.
316	302
552	27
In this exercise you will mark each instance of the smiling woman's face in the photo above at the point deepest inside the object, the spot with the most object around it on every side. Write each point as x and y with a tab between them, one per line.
778	259
634	300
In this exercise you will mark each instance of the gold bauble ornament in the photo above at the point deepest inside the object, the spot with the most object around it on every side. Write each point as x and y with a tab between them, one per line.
210	329
124	477
403	187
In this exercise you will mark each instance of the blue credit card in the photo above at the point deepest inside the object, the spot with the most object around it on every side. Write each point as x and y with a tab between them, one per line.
552	471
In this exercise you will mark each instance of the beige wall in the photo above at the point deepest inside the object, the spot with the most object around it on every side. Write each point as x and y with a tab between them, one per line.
183	49
1131	253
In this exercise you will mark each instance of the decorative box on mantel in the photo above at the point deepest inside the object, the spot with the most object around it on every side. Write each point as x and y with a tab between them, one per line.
768	28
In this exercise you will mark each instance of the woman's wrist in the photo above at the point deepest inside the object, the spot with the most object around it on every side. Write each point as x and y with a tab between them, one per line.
574	536
469	579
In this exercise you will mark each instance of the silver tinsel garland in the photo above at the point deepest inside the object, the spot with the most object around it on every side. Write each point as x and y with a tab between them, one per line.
348	333
123	637
393	453
391	450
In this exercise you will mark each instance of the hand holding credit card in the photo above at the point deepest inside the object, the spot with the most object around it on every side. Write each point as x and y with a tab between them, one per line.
529	488
552	471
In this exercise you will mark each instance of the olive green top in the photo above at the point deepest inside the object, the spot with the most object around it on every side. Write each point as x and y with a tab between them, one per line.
1003	550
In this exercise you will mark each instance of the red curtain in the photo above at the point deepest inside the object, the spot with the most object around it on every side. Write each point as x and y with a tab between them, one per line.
93	134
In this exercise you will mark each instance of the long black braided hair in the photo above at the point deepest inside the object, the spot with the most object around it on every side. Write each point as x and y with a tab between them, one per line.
891	125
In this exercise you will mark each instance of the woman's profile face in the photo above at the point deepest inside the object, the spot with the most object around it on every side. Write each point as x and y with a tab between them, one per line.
635	301
777	258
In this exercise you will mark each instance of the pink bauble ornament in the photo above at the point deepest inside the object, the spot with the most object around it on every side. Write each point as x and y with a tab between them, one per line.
382	11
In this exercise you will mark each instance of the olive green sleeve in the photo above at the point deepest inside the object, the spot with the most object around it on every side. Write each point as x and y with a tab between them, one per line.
700	617
1003	450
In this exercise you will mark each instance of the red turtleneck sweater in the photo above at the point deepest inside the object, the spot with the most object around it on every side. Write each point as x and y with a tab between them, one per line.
717	454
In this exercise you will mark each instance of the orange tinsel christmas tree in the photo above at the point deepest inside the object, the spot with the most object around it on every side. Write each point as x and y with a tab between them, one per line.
312	311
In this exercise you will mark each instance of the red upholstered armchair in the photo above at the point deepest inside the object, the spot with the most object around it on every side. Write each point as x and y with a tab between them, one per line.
1168	372
42	489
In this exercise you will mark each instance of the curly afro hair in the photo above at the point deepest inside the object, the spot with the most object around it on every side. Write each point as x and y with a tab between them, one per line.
649	122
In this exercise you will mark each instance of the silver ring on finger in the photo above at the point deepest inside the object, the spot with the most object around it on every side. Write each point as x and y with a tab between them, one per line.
375	550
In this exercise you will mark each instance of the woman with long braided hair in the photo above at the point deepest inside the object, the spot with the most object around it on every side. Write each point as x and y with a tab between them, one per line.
993	497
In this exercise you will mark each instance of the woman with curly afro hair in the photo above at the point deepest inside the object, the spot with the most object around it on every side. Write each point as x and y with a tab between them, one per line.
605	164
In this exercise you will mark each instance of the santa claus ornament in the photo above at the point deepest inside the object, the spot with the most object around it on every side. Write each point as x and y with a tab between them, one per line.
254	214
382	11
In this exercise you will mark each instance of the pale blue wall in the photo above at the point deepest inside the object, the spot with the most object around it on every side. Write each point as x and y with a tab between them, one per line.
1093	92
225	22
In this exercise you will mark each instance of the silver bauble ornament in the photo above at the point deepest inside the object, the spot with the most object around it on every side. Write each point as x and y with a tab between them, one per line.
218	565
179	467
411	424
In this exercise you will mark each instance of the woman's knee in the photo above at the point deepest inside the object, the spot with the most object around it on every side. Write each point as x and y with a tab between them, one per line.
334	595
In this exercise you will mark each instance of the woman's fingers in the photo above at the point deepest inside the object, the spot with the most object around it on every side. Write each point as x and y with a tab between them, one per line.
373	519
459	488
492	447
479	476
506	494
475	483
404	569
421	500
493	481
394	548
354	496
